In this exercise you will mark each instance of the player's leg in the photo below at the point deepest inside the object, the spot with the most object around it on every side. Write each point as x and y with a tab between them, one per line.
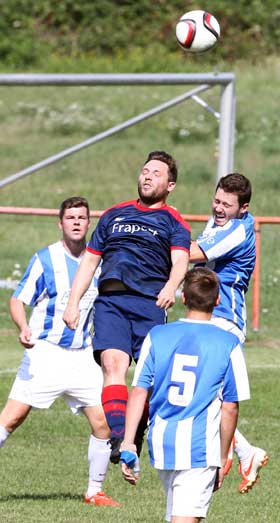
84	395
251	460
30	389
11	417
112	349
114	395
144	316
98	457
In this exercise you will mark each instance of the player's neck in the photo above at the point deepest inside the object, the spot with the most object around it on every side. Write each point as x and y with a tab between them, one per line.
155	205
198	315
74	248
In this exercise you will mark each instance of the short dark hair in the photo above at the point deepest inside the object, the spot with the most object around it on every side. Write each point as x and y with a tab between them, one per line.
74	201
164	157
201	289
236	183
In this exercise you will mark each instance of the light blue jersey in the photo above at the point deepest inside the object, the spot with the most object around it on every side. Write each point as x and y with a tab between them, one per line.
191	365
231	254
46	287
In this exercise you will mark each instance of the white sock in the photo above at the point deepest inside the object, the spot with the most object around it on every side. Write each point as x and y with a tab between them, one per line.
242	447
4	434
98	459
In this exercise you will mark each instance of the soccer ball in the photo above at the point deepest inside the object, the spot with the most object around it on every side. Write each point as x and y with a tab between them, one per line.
197	31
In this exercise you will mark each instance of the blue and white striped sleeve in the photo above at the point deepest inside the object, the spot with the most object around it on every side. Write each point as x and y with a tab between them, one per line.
32	284
144	371
219	241
236	382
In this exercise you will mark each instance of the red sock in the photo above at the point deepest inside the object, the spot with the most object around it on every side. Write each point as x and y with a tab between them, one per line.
114	400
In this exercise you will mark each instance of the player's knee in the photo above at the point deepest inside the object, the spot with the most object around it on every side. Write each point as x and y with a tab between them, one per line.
115	364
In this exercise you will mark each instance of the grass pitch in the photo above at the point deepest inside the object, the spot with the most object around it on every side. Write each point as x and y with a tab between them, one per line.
44	463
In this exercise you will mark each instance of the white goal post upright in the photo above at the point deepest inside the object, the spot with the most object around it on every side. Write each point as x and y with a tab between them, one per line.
226	116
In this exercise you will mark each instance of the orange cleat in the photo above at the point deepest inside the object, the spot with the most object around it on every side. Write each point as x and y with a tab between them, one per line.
251	475
101	499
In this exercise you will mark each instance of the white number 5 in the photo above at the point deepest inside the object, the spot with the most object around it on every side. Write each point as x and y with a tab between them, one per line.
183	395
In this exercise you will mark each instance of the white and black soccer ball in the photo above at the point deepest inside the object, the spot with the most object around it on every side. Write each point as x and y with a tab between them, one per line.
197	31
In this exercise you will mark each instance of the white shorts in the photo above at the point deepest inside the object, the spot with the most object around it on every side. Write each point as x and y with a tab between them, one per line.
47	372
228	326
188	491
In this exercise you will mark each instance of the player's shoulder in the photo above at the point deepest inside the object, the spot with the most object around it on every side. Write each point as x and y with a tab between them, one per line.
175	215
45	252
168	328
224	336
120	205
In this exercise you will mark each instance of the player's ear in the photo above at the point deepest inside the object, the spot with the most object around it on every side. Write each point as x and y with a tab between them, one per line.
218	300
171	186
183	297
60	225
243	208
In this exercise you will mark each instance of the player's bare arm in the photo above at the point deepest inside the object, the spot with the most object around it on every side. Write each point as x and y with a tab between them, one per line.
229	417
196	253
80	285
167	295
134	411
17	311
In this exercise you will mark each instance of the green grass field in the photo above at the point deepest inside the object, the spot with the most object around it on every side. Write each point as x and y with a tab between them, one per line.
44	464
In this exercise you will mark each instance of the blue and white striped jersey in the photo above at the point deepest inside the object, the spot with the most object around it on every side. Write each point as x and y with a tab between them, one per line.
191	365
231	253
46	286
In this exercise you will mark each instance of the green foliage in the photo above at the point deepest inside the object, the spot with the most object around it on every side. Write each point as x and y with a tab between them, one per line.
40	31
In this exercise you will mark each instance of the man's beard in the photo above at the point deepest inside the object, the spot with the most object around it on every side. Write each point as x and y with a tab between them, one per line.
153	198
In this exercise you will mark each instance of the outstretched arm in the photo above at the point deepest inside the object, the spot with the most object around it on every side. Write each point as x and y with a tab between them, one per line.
80	285
167	295
134	411
196	253
18	315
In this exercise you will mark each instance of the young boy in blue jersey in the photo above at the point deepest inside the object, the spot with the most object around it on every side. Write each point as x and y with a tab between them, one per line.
144	246
198	376
227	245
58	362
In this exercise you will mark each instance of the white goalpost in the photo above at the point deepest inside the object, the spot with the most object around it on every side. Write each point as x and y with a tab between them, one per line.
202	82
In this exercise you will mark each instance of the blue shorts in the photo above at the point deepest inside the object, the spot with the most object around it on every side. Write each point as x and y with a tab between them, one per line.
122	320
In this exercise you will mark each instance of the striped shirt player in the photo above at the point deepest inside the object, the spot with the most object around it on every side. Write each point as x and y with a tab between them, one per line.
46	286
231	253
61	362
58	362
227	245
191	365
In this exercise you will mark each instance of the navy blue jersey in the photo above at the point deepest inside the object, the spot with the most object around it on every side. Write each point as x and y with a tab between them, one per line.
135	243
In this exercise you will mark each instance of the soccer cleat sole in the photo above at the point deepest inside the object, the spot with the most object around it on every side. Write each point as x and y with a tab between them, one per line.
247	484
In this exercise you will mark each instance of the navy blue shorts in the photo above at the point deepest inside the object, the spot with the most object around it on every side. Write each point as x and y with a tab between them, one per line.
122	320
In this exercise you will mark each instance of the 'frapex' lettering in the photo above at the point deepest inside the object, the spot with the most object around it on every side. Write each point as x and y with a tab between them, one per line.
132	228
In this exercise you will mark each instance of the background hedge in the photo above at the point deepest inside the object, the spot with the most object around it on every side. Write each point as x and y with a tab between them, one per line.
35	31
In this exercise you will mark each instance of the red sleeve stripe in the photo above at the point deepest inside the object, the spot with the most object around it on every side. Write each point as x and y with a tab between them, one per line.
175	248
98	253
